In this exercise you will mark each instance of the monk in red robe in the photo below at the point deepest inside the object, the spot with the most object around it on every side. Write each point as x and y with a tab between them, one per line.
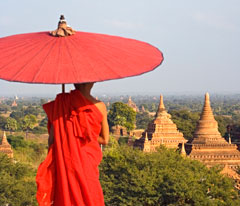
77	124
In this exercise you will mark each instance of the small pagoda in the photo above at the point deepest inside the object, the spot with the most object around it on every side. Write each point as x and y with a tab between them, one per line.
132	104
208	146
5	147
161	131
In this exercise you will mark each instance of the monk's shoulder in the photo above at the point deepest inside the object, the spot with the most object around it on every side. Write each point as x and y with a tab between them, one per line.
101	106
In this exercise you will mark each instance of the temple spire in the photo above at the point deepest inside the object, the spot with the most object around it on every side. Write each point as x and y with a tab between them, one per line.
146	137
161	106
4	139
229	140
207	127
207	113
183	151
129	99
5	147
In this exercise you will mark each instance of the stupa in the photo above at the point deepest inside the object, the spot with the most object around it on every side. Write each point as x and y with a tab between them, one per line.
131	104
5	147
161	131
14	104
208	146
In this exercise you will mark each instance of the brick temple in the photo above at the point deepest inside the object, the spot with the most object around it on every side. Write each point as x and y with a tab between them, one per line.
5	147
132	104
161	131
208	146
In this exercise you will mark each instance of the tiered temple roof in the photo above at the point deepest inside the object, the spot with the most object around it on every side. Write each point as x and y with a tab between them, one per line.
131	104
5	147
161	131
208	145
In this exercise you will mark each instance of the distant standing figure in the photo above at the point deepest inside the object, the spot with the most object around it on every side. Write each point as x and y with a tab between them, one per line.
77	124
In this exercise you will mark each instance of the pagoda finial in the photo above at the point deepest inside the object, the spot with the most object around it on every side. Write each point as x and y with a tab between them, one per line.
207	96
146	136
4	139
229	140
183	151
129	99
207	99
161	105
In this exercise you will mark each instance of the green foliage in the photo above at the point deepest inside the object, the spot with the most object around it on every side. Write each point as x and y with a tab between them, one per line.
17	115
17	183
29	122
186	121
223	122
121	114
3	122
123	140
4	108
130	177
27	151
32	111
11	124
40	130
44	122
153	107
142	120
17	141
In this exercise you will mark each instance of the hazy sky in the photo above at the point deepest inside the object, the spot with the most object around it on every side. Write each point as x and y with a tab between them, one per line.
200	40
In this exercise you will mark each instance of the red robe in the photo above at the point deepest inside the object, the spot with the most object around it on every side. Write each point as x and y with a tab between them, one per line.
69	175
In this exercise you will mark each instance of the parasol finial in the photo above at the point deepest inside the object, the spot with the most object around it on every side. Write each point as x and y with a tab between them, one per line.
63	29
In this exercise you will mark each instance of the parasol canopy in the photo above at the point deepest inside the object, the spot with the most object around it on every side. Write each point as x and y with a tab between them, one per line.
65	56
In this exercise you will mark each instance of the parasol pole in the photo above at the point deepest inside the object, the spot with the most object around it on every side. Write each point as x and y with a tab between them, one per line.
63	88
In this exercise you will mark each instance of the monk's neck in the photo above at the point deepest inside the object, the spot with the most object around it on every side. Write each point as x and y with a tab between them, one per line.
85	92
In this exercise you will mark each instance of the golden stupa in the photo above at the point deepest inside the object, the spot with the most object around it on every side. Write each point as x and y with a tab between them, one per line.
208	146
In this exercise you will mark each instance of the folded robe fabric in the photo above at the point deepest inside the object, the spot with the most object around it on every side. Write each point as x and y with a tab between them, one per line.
69	175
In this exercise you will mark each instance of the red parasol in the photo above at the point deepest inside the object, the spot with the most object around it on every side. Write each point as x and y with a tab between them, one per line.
65	56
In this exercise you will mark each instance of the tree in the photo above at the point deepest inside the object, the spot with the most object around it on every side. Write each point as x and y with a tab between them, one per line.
142	120
223	122
17	183
131	177
3	122
40	130
121	114
28	122
11	124
186	121
17	115
32	110
153	107
16	141
44	122
4	108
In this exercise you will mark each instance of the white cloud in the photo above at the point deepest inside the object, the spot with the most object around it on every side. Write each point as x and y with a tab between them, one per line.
215	20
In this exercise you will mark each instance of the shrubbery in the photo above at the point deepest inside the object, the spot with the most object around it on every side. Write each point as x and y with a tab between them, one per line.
130	177
17	183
